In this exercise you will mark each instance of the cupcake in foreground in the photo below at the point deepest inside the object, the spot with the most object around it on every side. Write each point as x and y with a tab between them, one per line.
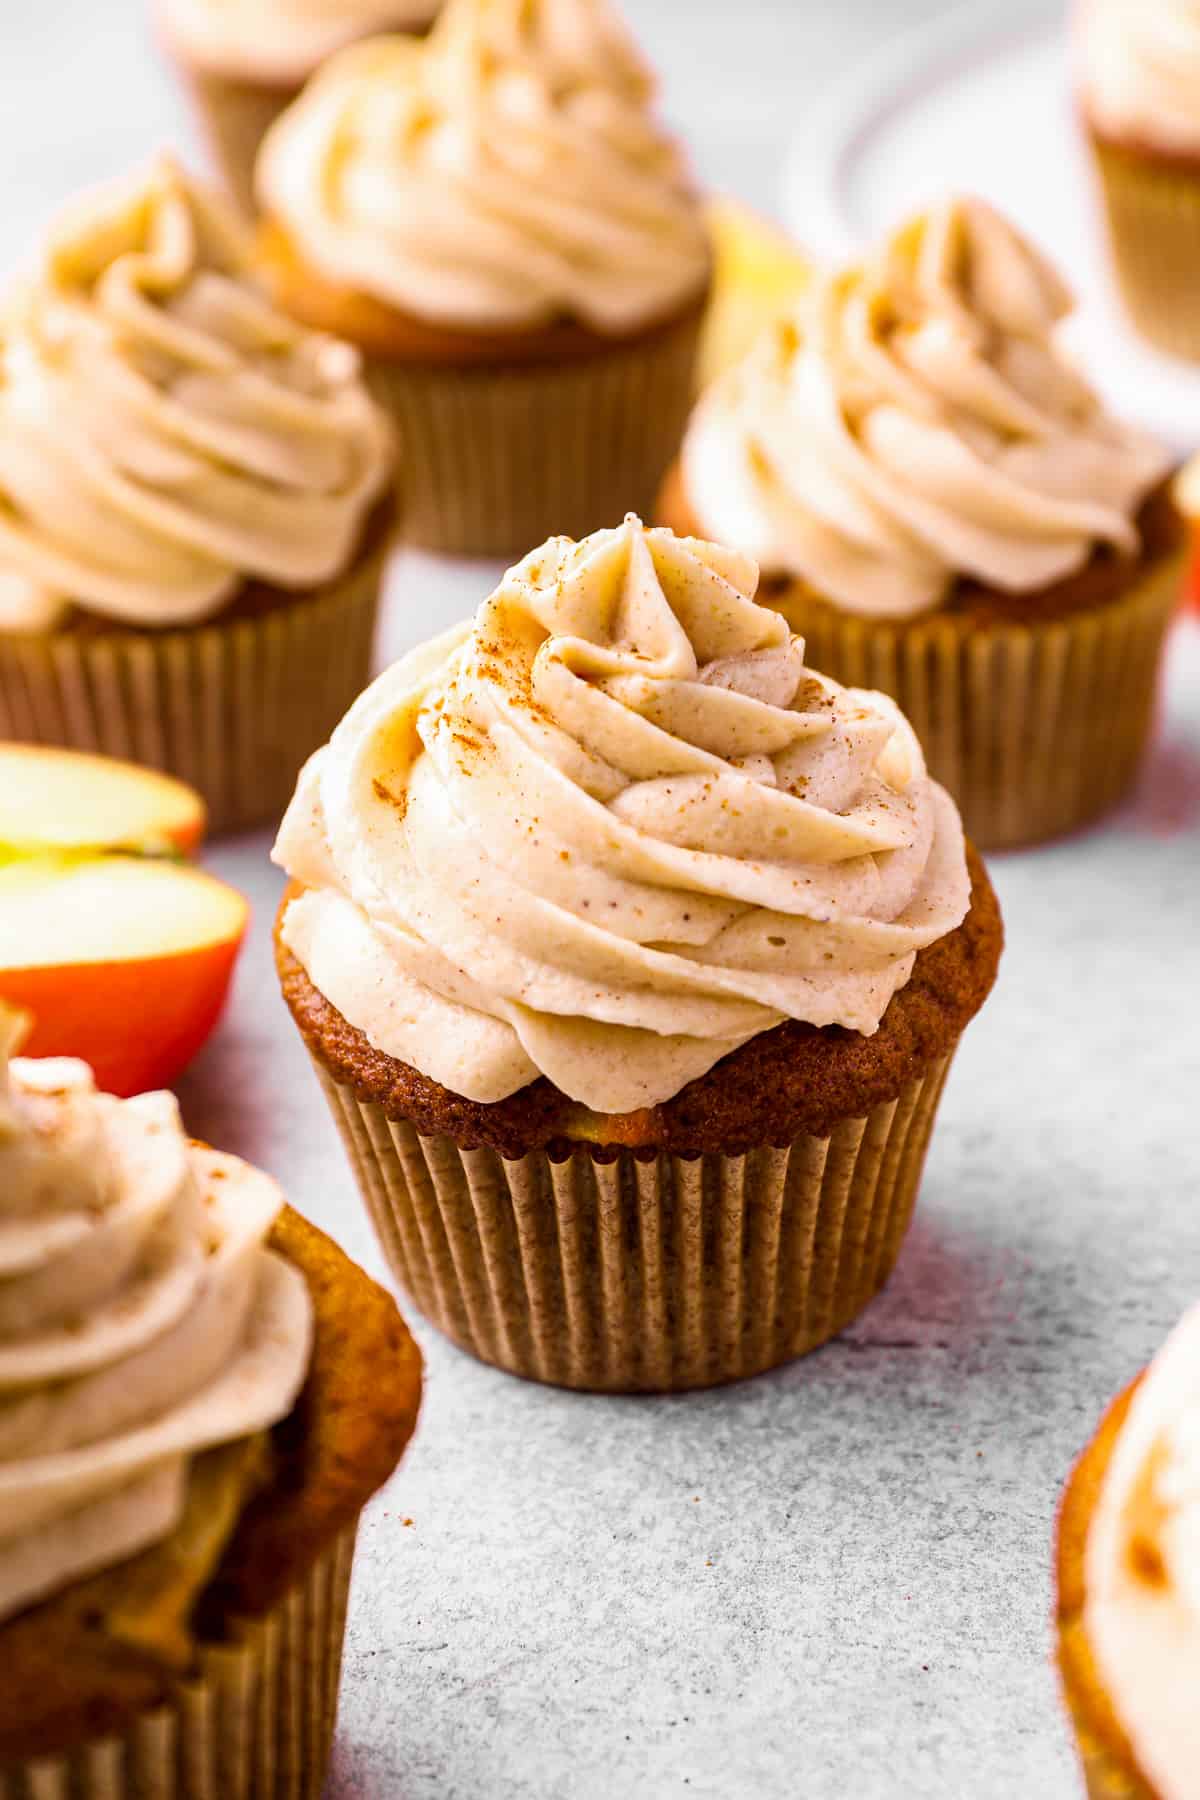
194	504
498	221
198	1395
1129	1585
943	508
244	61
1138	81
631	954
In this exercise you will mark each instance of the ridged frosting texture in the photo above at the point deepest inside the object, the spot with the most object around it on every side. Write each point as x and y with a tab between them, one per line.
506	172
278	41
1142	1570
142	1320
612	830
916	423
1138	68
165	433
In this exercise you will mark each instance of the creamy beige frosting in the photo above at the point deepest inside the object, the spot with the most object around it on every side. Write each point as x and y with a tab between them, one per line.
1142	1570
165	434
507	171
141	1320
917	423
279	41
611	830
1138	64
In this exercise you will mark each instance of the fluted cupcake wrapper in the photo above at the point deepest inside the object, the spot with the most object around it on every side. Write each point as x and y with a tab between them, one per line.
234	117
630	1276
255	1723
1035	729
1153	212
233	706
496	460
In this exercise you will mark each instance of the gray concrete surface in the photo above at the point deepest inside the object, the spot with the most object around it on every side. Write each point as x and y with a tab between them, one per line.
832	1582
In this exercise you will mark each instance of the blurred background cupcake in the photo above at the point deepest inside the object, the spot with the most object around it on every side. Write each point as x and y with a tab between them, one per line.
244	61
1129	1585
631	954
496	218
195	503
944	510
1138	76
198	1395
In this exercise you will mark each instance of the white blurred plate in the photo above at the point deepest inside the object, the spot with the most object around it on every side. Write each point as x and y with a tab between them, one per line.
980	100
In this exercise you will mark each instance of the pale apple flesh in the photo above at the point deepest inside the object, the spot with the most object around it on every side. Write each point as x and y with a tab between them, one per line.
123	961
69	801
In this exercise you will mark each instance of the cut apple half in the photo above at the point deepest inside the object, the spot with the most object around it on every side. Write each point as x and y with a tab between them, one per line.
123	961
69	801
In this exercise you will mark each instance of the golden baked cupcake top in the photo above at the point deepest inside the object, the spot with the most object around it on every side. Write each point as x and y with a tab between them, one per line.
611	830
506	172
142	1320
165	433
278	41
916	423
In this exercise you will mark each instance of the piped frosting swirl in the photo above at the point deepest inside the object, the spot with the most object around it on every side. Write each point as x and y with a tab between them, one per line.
611	830
142	1320
165	433
505	173
915	423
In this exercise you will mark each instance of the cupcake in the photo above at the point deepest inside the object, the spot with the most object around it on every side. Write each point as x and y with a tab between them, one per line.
943	509
198	1395
499	223
193	504
244	61
1129	1585
631	954
1138	81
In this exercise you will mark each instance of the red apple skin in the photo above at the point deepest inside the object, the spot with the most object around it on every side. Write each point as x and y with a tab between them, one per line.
166	1008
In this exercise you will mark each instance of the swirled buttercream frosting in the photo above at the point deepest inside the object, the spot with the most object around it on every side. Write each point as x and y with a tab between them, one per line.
916	423
142	1320
1138	68
1142	1570
165	433
279	41
505	172
611	830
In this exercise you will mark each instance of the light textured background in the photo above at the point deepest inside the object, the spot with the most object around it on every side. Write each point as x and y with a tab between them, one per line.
834	1581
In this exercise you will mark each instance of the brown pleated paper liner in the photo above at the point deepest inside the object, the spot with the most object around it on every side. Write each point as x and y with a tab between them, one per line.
233	706
235	116
632	1276
1036	729
1153	211
495	460
255	1723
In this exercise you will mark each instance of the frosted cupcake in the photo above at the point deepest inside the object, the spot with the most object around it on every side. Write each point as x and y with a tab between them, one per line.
244	61
944	509
631	954
194	505
498	221
1138	80
1129	1585
198	1394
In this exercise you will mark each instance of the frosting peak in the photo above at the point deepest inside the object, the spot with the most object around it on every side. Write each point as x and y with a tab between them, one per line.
506	172
611	830
916	423
141	1320
1142	1569
165	434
